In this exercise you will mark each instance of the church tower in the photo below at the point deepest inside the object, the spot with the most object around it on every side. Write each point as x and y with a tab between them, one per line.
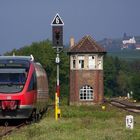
86	72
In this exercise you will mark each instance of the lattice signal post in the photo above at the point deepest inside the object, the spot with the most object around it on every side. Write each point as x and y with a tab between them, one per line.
57	39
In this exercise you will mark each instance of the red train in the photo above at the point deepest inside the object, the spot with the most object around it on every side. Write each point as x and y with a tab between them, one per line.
23	87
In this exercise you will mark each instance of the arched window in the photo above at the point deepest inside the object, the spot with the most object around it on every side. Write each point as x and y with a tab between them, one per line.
86	93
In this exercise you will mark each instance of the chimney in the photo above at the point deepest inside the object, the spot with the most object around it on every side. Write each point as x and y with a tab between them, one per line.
72	43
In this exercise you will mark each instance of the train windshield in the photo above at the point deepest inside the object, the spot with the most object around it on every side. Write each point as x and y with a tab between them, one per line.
13	75
12	80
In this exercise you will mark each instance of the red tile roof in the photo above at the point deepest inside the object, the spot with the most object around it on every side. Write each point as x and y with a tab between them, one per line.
87	45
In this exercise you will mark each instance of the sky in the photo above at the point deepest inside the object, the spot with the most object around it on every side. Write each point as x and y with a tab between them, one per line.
25	21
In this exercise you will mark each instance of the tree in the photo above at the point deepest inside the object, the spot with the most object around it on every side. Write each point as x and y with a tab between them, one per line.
110	76
123	81
136	86
120	76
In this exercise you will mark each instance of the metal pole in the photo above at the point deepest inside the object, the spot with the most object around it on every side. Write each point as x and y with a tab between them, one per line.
58	86
57	95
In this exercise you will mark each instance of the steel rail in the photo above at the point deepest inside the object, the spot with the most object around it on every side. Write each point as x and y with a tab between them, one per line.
9	129
130	107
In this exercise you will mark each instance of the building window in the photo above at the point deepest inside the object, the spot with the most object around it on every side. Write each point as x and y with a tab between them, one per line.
100	62
86	93
81	62
73	62
91	62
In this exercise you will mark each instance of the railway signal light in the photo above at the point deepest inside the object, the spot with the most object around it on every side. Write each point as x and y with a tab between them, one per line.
57	31
57	34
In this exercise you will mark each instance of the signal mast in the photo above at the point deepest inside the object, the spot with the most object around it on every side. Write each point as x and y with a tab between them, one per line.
57	39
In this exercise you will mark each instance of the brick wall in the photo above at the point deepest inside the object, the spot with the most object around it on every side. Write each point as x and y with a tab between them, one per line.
79	78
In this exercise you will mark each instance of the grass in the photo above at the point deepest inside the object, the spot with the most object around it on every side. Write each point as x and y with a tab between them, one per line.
80	123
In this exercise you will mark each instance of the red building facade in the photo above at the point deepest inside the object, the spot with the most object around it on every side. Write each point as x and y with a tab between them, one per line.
86	72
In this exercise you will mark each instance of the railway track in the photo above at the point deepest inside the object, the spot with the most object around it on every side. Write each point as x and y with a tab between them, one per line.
131	107
7	127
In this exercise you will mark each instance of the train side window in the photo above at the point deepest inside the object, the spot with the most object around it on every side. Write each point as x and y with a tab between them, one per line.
35	80
33	83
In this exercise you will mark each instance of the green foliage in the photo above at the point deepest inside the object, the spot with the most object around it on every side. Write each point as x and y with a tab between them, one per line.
64	74
109	76
119	75
45	54
84	111
136	86
123	82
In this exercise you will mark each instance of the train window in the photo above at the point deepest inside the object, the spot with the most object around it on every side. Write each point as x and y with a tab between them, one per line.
12	80
35	80
33	83
8	63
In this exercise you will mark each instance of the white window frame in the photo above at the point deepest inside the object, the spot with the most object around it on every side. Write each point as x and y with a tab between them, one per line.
86	93
81	62
91	62
100	62
73	59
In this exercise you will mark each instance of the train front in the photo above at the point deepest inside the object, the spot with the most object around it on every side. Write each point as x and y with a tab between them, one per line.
17	96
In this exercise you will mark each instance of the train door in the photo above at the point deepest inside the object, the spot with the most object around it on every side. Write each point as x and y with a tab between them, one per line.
32	89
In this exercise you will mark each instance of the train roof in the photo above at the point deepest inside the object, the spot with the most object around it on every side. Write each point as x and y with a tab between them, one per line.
29	58
22	58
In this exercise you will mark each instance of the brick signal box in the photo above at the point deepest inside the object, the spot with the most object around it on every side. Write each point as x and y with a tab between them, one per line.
86	72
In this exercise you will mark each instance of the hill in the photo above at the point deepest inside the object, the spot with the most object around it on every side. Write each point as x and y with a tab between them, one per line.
112	45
